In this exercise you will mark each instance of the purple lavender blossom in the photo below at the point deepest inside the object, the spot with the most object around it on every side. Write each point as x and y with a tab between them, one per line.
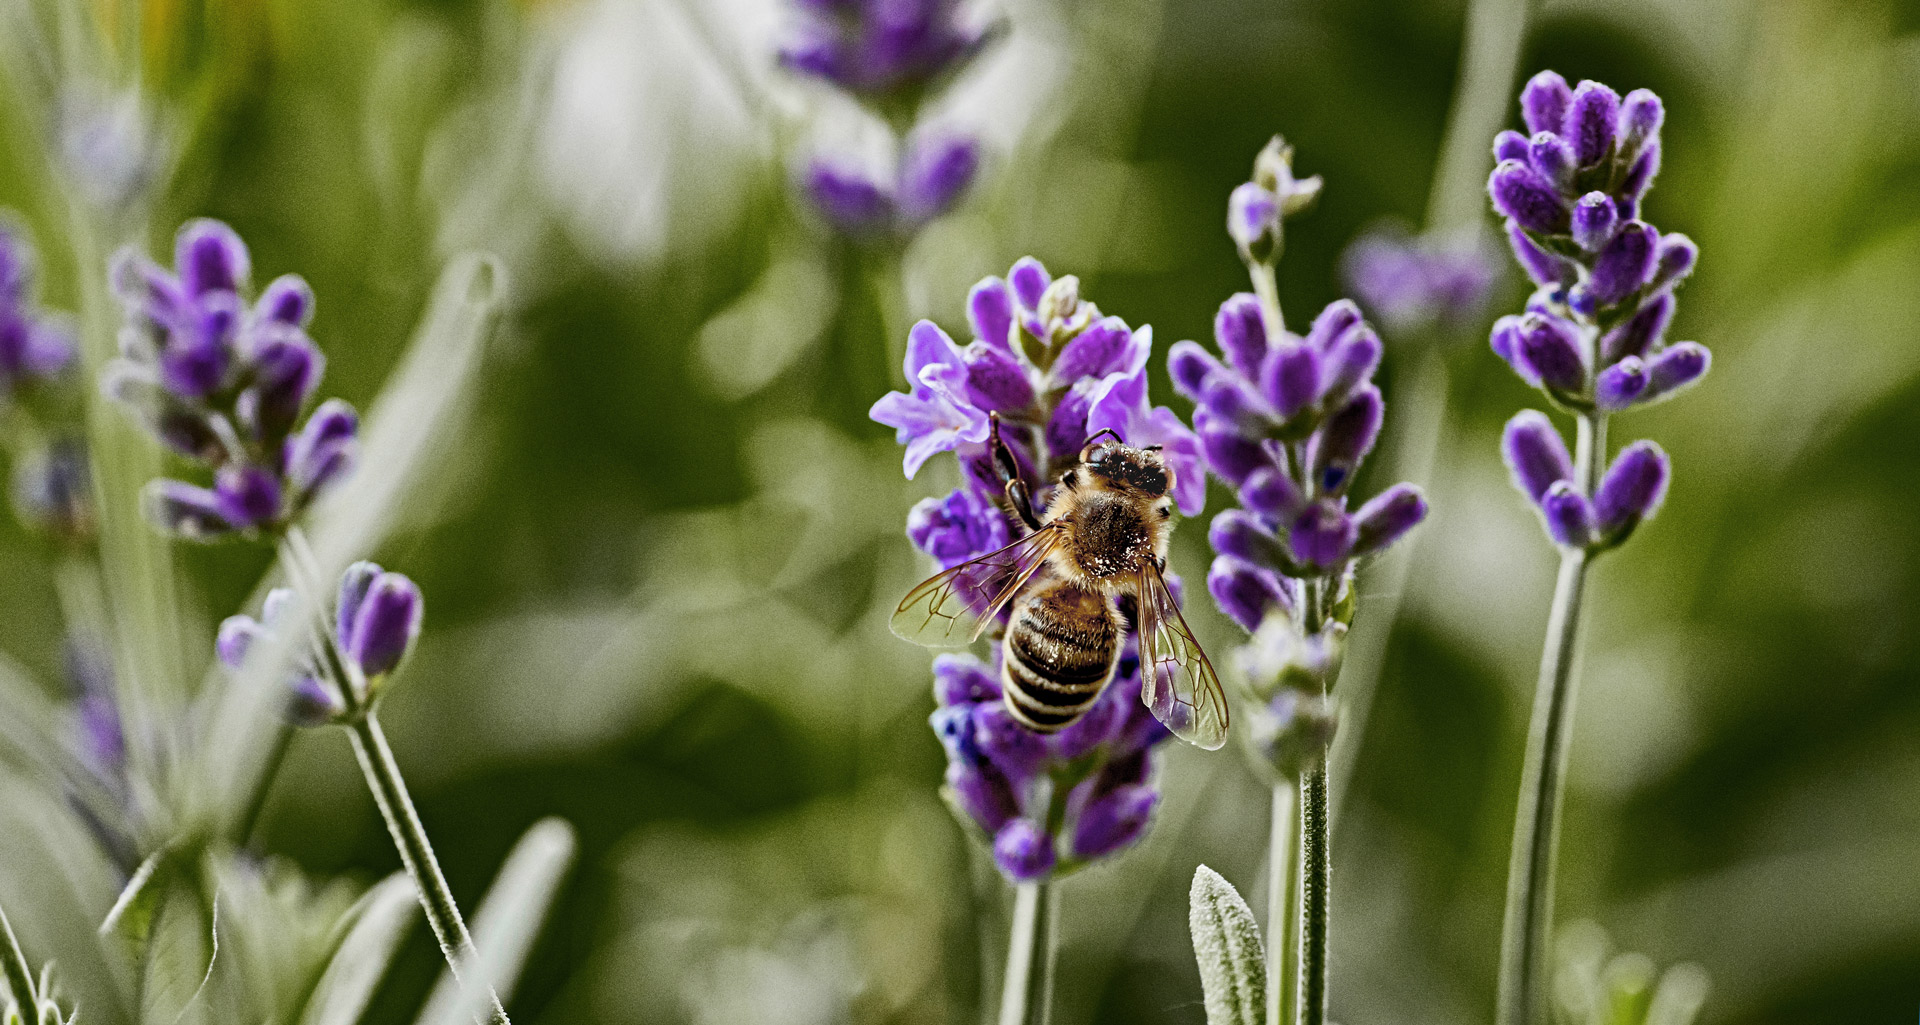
934	171
882	50
223	381
1258	208
53	489
36	347
1420	284
1593	336
1003	779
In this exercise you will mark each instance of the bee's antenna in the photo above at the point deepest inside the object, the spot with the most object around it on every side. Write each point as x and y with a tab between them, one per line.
1153	448
1107	431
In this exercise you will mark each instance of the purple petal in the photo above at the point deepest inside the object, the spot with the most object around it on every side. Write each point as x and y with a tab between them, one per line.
1253	216
1543	267
1245	591
1332	323
1351	362
1388	518
1640	333
288	299
1102	349
1552	157
1012	748
961	679
1678	367
248	496
385	625
355	582
996	380
324	450
849	200
928	345
1272	495
1191	366
990	313
1591	120
1029	280
1677	256
184	510
1535	454
933	174
237	636
1066	431
1238	533
958	528
1241	330
1641	114
1531	201
196	357
1550	347
1345	439
1633	488
287	369
1230	454
1290	379
1509	145
1640	175
1113	820
1544	102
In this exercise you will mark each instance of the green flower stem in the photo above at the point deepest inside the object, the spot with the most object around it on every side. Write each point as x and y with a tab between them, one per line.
13	966
1026	995
1489	59
396	807
1283	925
1524	968
389	789
1266	286
1316	872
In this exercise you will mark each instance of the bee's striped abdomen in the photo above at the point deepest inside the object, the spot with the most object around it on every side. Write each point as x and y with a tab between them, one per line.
1061	648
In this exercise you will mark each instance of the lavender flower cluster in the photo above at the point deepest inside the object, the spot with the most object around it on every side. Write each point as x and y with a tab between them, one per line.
1053	371
223	382
1416	285
376	621
1593	336
891	55
52	490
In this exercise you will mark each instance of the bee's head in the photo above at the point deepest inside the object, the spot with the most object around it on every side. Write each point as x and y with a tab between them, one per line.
1118	465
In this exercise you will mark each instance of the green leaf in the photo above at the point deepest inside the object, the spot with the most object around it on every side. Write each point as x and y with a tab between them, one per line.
510	918
133	912
180	951
1226	943
380	920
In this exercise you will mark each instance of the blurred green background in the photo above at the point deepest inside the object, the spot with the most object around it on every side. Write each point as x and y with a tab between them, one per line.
659	552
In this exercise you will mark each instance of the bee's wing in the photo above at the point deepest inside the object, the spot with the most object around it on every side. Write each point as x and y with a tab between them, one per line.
951	609
1177	681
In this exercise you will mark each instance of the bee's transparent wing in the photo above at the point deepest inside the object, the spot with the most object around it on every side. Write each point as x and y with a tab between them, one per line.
951	609
1177	681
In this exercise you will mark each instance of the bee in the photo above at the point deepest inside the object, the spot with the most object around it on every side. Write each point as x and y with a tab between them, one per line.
1091	566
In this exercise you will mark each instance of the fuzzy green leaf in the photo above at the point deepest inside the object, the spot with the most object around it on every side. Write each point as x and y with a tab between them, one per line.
509	920
1226	943
380	921
180	951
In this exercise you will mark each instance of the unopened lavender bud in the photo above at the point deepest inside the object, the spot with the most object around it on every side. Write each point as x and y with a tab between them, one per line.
1640	333
982	795
1620	385
311	703
1594	218
1024	851
1531	201
1544	102
1191	367
237	637
1548	352
1568	515
1030	281
962	680
1272	495
1552	156
1321	538
385	624
1543	267
1625	265
1333	322
1535	454
1675	261
1228	399
1677	367
1345	439
1012	748
1641	114
1387	518
1230	454
1510	145
248	496
355	582
324	450
210	257
850	201
196	358
1290	380
185	511
288	300
990	313
1351	363
287	369
1241	330
1238	533
1591	119
1253	221
934	173
1246	592
1640	174
1633	488
1113	820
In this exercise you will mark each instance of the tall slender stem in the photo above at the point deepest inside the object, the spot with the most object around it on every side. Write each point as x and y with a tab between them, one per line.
1491	54
396	807
1524	969
1266	286
13	966
1315	876
1026	995
1283	925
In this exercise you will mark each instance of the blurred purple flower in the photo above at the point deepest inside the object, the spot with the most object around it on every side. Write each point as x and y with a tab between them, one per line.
36	347
883	50
933	172
1420	284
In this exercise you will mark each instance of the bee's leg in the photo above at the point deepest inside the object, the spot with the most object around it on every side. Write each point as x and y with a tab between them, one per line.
1008	470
